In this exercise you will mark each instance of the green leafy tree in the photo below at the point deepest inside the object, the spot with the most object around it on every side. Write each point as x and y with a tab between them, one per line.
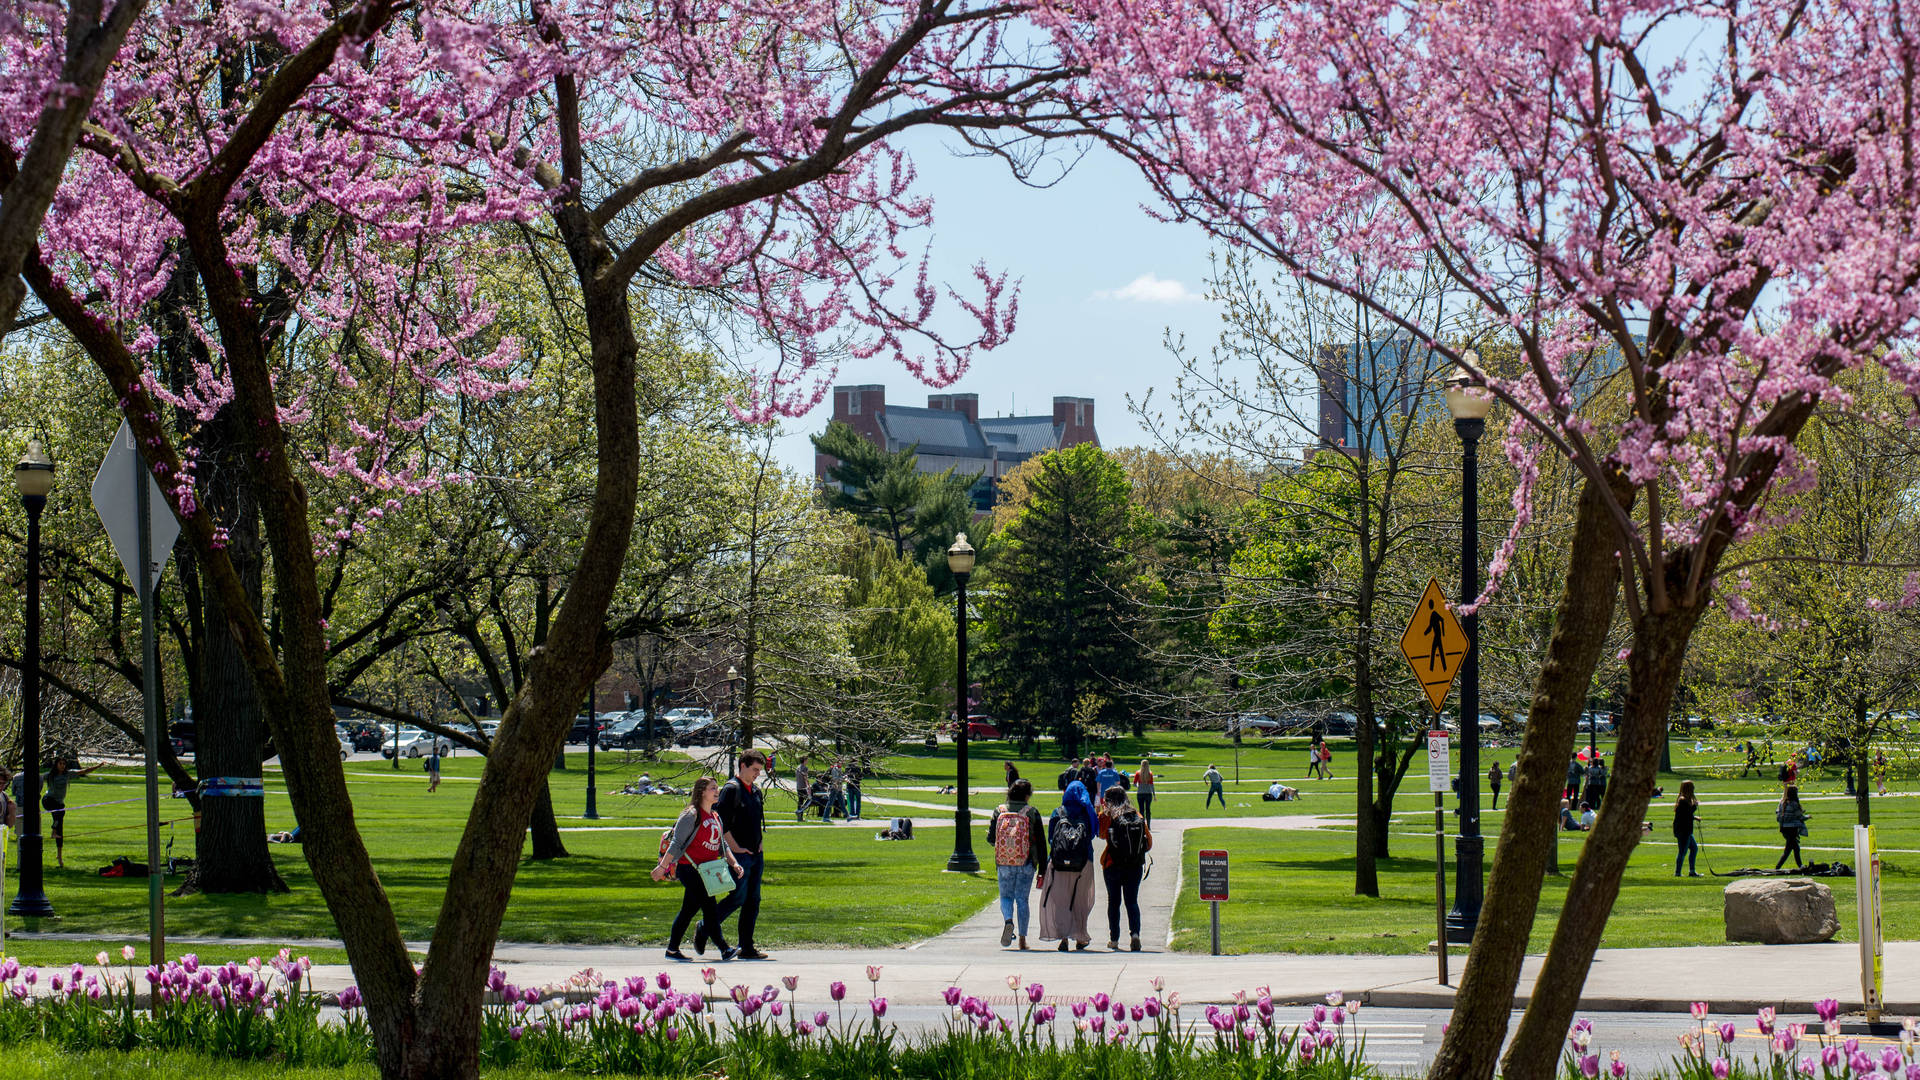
917	512
902	634
1061	602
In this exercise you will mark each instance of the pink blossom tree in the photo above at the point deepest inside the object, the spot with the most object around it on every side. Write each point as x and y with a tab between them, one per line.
326	172
1711	206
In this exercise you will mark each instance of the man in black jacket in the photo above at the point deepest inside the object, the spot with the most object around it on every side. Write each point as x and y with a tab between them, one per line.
741	808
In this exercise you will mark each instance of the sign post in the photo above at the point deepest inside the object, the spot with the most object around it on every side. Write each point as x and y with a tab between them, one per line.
124	495
1213	887
1439	774
1866	859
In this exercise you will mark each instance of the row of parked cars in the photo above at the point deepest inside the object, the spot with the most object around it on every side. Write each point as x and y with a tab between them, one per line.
686	726
1341	724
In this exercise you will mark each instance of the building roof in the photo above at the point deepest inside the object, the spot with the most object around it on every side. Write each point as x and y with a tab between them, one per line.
936	430
1025	434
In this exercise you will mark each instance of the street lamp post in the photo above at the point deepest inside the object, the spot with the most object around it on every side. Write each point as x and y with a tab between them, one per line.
1469	411
960	560
593	743
34	477
733	717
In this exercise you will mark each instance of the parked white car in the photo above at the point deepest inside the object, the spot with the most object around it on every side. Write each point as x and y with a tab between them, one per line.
418	744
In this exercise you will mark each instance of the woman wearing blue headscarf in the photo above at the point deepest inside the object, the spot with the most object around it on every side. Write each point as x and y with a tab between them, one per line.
1066	895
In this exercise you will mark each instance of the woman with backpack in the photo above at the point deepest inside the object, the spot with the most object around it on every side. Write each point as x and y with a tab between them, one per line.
1128	841
1793	826
1066	895
1019	843
696	841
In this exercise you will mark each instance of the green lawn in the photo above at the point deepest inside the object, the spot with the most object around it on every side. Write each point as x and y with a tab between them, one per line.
600	894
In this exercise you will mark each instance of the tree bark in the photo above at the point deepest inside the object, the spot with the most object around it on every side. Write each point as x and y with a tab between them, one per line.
544	827
1471	1046
1659	647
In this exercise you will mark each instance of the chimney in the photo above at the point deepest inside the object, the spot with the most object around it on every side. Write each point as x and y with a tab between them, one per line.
861	407
1073	416
967	405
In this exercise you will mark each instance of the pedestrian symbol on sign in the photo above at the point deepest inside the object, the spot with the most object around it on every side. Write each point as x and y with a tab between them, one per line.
1434	643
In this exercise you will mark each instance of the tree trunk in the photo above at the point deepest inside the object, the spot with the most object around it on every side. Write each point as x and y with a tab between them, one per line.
546	830
1471	1046
1659	647
1382	818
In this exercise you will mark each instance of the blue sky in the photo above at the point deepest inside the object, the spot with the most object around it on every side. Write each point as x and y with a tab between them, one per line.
1100	284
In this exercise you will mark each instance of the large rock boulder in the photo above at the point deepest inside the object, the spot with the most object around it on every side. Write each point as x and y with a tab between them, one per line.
1780	911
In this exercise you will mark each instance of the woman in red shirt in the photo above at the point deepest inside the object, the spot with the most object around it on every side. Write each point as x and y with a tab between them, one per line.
696	840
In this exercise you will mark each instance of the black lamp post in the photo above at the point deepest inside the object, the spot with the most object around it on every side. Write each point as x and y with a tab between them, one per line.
960	561
34	477
1469	409
593	743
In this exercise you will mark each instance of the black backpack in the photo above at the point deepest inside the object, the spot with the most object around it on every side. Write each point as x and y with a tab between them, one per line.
1070	841
1127	839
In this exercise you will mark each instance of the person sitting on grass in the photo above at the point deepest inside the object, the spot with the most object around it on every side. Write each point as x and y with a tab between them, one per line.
1568	823
1586	817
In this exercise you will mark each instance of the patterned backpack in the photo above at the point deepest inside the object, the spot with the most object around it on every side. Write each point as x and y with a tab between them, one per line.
1011	846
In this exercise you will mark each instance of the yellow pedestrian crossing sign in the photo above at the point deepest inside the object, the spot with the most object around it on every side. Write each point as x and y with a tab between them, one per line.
1434	644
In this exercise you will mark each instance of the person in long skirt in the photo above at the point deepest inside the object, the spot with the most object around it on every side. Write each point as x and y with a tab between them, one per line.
1067	896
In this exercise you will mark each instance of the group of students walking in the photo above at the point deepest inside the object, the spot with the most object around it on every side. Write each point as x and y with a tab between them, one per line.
1056	857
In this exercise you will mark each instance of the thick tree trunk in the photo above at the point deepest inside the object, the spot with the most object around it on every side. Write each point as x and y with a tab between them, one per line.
544	827
1382	818
231	853
1470	1048
1659	647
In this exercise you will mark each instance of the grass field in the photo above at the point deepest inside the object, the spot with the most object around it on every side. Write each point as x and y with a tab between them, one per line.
602	894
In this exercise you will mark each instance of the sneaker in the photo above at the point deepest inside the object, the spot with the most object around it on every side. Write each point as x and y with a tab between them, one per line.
728	952
676	954
1082	945
700	939
1113	946
1006	934
1063	945
1134	945
748	952
1691	873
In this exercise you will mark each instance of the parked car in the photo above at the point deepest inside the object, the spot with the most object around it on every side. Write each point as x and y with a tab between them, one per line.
1339	724
418	744
1252	724
363	734
979	726
577	734
1596	721
630	731
181	732
346	747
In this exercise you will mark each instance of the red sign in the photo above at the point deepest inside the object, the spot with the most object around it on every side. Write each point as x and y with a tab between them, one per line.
1213	875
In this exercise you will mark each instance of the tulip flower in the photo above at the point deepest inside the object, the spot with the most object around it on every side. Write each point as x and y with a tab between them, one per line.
879	1007
1726	1033
791	982
1765	1019
1699	1010
821	1019
1721	1067
1826	1008
836	990
1035	991
952	994
873	973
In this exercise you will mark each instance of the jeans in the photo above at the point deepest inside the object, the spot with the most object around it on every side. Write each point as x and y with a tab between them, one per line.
853	800
695	900
1123	883
1016	882
1689	851
745	897
1213	790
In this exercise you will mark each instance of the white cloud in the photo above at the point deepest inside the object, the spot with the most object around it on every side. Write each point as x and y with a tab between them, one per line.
1150	289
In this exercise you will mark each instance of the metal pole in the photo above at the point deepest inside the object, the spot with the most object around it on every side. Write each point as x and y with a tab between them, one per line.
31	900
150	692
962	859
1215	905
1469	864
1440	876
593	740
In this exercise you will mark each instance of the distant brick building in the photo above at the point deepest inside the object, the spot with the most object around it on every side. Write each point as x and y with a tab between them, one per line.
950	433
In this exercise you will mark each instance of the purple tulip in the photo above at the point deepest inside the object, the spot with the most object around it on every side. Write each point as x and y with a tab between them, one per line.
1590	1066
777	1008
1098	1022
1138	1012
1240	1013
1100	1002
1726	1033
837	991
952	994
805	1028
1913	1072
1035	992
1827	1009
1306	1051
821	1018
1319	1014
663	981
190	963
1119	1010
1080	1010
1860	1063
1721	1067
1830	1057
879	1007
1618	1069
1153	1007
1890	1061
1043	1015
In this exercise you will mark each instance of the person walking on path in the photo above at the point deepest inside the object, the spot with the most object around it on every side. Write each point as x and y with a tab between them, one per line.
1326	762
433	770
1880	770
1313	758
1494	776
1576	772
1752	762
1793	826
53	799
1066	898
1143	790
854	774
1686	812
1019	841
1121	863
1012	773
1089	775
1108	777
696	840
802	789
836	791
1214	788
741	808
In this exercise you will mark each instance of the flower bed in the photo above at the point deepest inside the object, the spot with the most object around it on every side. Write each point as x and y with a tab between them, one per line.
654	1028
